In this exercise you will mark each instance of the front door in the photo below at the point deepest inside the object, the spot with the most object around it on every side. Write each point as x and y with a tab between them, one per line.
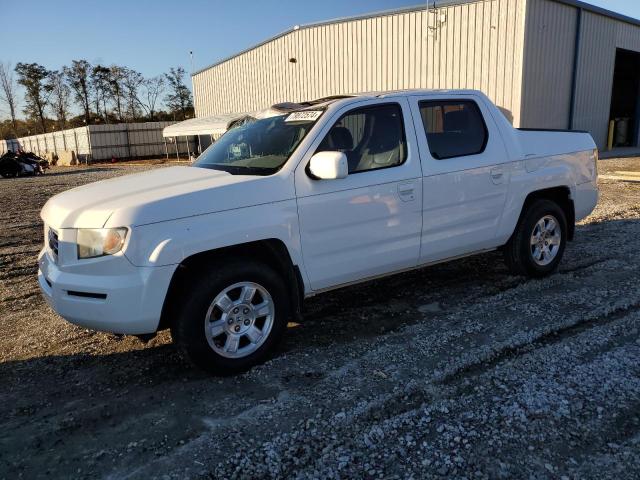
369	223
466	175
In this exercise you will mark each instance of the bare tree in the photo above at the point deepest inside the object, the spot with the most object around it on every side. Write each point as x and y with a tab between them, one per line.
152	90
132	82
79	78
34	79
117	89
179	97
59	100
8	91
100	89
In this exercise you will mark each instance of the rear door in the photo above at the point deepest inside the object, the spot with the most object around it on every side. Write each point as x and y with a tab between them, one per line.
465	174
369	223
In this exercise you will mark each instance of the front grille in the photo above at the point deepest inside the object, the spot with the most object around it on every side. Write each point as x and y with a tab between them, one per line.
53	242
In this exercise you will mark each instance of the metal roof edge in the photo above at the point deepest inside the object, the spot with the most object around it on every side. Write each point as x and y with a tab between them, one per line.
397	11
600	11
432	4
241	52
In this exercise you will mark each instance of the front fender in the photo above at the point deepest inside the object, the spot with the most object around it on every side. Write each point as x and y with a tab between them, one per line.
170	242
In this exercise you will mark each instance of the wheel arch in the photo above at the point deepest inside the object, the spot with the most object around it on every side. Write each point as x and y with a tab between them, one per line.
560	195
272	252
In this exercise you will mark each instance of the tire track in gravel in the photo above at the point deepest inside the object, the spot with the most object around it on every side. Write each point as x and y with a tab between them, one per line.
549	337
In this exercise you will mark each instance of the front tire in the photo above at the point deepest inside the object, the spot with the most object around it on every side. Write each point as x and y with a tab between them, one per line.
234	317
537	246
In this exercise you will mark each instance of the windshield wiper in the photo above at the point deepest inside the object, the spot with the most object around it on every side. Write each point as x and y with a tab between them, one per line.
239	170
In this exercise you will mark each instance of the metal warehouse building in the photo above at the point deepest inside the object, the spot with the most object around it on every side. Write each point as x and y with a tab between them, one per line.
547	63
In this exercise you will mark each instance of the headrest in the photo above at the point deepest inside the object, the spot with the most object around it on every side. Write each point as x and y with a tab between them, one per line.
386	134
455	121
338	139
341	138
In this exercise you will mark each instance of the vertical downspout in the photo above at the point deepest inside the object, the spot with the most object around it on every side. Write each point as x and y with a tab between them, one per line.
636	134
90	155
574	75
126	129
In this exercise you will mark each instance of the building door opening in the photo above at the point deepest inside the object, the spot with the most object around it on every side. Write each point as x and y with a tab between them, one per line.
624	126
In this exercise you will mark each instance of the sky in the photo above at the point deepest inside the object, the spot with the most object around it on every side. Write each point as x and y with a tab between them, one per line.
152	35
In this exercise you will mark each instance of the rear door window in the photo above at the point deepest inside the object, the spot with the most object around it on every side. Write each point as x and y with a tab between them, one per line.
454	128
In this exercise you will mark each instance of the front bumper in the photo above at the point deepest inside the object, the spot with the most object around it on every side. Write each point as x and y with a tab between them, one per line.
122	298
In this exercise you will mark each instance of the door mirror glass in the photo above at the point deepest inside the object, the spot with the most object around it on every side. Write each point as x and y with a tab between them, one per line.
329	165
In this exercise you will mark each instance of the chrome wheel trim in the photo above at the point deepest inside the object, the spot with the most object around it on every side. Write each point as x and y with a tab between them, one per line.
546	239
239	320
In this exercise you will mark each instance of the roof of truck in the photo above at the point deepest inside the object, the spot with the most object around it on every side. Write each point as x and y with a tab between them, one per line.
385	93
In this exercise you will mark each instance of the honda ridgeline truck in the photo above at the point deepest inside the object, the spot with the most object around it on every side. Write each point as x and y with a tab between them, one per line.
319	195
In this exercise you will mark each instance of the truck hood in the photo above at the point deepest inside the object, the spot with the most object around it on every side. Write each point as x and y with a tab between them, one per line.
159	195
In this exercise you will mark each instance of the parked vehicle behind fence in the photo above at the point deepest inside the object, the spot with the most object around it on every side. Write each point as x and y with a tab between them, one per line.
338	191
19	164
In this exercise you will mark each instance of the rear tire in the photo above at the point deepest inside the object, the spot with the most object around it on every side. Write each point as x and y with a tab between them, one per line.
536	247
234	317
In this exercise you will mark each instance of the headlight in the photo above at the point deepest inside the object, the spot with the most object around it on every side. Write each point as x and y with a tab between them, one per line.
100	241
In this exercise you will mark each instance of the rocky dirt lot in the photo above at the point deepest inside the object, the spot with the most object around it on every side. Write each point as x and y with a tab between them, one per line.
458	371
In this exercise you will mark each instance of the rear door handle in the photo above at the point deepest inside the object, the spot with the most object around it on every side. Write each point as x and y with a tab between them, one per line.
406	191
497	175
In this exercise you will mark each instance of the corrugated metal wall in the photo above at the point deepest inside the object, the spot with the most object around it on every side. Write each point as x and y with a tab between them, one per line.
628	37
101	142
129	140
474	45
596	64
75	139
548	67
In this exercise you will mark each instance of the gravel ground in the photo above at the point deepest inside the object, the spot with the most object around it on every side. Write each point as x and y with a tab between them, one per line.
458	370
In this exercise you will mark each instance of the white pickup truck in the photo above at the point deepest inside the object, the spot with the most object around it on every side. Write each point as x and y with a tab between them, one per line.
329	193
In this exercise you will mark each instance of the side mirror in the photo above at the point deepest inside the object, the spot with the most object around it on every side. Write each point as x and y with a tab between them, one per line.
329	165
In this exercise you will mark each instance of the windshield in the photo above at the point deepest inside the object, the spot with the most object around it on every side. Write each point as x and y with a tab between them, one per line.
260	147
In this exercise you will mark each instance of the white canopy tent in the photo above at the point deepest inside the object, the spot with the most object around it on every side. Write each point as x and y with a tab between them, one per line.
215	125
212	127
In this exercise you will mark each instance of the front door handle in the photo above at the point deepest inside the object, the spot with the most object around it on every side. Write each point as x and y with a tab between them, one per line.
406	191
497	175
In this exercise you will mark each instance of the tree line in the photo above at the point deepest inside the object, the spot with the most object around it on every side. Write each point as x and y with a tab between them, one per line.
102	95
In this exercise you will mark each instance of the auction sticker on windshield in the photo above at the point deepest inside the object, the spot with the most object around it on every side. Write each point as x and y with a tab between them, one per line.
304	116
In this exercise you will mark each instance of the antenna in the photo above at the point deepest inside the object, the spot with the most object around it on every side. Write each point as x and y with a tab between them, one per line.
438	20
193	89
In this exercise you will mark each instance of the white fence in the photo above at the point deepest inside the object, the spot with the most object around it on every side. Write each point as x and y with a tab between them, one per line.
102	142
76	139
